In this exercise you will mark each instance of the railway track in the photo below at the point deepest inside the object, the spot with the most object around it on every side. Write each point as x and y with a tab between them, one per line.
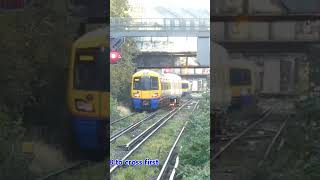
73	167
168	169
134	120
134	144
237	156
118	120
131	127
167	172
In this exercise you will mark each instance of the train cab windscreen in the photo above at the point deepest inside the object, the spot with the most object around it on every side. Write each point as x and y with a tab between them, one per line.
145	83
185	85
240	77
91	70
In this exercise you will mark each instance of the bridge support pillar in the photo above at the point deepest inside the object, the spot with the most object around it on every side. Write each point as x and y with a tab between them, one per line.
203	50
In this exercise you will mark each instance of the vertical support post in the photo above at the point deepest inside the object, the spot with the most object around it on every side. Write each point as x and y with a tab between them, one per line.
292	76
203	50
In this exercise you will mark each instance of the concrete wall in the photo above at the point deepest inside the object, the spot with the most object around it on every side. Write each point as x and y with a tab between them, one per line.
271	76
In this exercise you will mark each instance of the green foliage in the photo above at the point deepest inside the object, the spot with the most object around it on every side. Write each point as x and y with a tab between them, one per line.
34	46
113	108
120	74
13	164
195	152
34	53
190	172
119	8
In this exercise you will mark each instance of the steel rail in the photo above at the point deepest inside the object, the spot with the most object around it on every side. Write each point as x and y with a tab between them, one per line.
265	114
272	142
174	169
194	108
150	128
56	173
121	132
146	138
122	118
165	165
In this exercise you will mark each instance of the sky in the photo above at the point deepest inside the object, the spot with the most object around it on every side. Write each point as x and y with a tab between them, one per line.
180	44
175	3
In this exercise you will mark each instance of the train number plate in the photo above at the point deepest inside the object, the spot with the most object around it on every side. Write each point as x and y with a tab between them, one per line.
84	106
145	103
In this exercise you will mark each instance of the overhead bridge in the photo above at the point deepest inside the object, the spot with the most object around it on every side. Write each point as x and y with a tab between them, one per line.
159	27
166	27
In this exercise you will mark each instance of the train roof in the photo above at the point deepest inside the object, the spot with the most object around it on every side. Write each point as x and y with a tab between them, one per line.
146	72
153	73
94	38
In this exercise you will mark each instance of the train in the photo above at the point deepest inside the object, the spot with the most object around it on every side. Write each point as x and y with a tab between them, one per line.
151	90
242	76
233	82
186	87
88	91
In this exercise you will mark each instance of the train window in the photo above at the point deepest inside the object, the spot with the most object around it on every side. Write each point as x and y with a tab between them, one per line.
145	83
93	74
240	77
137	83
165	86
154	83
184	85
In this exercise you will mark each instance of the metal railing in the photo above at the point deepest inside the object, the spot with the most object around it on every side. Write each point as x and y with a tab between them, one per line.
159	24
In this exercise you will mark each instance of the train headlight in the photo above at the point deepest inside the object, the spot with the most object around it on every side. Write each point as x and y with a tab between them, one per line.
136	95
155	95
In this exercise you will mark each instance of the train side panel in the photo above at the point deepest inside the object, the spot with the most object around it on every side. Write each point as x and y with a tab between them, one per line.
88	104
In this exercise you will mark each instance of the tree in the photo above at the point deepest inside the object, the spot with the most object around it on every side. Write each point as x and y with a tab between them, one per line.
122	72
119	8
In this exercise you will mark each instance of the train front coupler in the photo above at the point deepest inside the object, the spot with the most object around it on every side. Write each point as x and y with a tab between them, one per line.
173	103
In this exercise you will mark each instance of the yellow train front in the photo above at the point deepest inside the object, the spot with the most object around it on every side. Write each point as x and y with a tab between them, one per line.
242	83
88	91
149	90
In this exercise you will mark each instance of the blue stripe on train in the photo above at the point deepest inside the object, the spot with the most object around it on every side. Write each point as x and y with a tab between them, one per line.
185	93
137	103
246	100
89	132
238	102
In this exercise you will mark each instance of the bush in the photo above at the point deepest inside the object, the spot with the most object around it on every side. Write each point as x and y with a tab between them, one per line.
113	108
120	74
195	152
13	163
